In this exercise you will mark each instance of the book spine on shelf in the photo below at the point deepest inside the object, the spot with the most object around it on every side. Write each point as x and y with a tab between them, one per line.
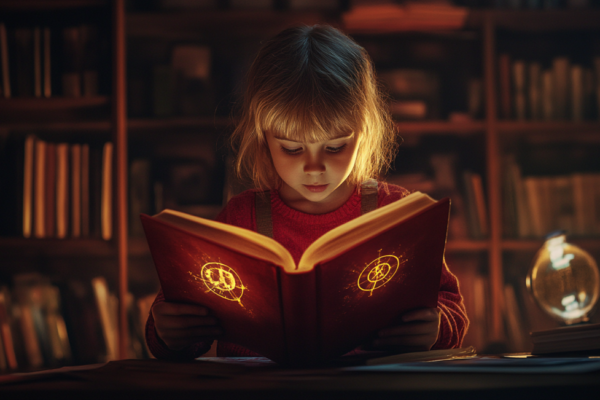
535	91
37	62
85	190
75	190
28	169
6	89
47	60
561	78
62	190
577	93
107	198
518	86
548	107
50	191
39	220
505	86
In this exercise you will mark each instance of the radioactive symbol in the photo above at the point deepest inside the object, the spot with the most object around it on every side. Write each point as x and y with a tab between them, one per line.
378	272
222	280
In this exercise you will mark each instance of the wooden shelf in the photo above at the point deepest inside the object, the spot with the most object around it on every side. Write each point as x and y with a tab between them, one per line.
29	5
87	126
466	245
536	20
591	244
56	247
235	23
51	104
549	126
180	122
440	127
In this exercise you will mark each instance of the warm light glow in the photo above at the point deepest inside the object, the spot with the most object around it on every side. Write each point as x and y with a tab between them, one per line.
222	280
377	273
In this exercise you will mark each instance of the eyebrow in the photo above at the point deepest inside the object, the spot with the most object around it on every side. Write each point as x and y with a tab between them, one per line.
342	136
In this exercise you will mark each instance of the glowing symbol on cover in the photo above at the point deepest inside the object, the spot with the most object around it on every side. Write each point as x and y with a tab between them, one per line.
222	280
378	273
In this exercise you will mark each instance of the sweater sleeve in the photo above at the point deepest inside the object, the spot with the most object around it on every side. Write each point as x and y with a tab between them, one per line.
453	315
159	349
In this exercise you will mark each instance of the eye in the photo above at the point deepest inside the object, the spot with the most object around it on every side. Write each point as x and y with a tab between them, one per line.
297	150
331	149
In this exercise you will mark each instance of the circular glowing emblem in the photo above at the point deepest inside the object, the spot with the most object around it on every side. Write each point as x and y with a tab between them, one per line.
378	273
223	281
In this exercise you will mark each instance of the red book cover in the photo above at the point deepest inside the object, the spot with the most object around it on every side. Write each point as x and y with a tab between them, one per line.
350	283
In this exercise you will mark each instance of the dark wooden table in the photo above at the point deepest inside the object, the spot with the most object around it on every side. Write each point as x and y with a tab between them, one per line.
153	379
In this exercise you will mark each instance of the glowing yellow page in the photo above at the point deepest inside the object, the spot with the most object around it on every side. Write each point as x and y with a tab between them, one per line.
233	237
346	236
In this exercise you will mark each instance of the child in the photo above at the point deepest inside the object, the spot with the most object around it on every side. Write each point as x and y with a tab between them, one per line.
313	128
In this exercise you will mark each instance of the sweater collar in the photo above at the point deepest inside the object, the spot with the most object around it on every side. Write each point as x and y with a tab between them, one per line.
349	209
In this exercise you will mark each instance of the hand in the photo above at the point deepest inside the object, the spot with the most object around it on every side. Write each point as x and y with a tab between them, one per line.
180	325
418	331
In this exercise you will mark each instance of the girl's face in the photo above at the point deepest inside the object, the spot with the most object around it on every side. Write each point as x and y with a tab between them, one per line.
314	174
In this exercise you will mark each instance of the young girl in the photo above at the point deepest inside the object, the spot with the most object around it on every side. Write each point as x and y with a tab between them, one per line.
314	127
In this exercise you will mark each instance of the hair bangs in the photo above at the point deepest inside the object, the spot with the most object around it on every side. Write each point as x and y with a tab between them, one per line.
305	118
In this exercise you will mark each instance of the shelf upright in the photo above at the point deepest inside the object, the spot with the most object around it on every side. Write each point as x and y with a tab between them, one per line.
496	276
120	141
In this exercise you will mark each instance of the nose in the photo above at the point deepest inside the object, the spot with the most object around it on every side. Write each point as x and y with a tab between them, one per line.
313	165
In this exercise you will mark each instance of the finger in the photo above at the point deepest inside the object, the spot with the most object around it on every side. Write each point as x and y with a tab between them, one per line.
168	308
421	314
409	329
184	322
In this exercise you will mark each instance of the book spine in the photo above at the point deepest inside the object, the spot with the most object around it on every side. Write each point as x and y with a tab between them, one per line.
76	190
505	87
28	186
300	317
47	64
39	188
6	92
106	199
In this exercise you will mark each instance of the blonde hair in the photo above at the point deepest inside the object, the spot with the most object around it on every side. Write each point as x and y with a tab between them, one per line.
312	84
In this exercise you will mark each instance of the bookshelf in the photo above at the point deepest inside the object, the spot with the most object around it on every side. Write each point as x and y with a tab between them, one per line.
96	115
142	135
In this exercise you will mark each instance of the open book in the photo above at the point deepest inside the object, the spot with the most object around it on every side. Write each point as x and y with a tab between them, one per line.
351	282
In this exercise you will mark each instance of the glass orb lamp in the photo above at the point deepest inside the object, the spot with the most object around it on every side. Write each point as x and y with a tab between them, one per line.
564	280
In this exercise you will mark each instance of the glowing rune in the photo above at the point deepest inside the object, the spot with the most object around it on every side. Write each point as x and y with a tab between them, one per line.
377	273
222	280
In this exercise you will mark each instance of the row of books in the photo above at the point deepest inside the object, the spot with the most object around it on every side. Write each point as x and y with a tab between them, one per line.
564	91
46	324
537	205
34	63
469	215
59	190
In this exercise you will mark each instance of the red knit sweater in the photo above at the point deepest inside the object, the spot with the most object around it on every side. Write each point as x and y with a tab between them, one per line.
296	230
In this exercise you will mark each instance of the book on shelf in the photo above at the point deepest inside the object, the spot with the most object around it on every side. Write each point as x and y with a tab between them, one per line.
566	339
505	86
106	204
4	62
475	205
50	191
519	89
561	68
107	305
534	91
537	205
351	282
75	150
53	190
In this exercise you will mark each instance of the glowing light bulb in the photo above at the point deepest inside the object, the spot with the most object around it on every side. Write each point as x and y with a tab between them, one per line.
564	280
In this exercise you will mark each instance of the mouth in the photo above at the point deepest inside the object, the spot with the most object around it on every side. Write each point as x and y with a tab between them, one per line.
316	188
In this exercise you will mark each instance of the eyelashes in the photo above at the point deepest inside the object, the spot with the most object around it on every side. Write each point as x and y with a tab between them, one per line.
298	150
